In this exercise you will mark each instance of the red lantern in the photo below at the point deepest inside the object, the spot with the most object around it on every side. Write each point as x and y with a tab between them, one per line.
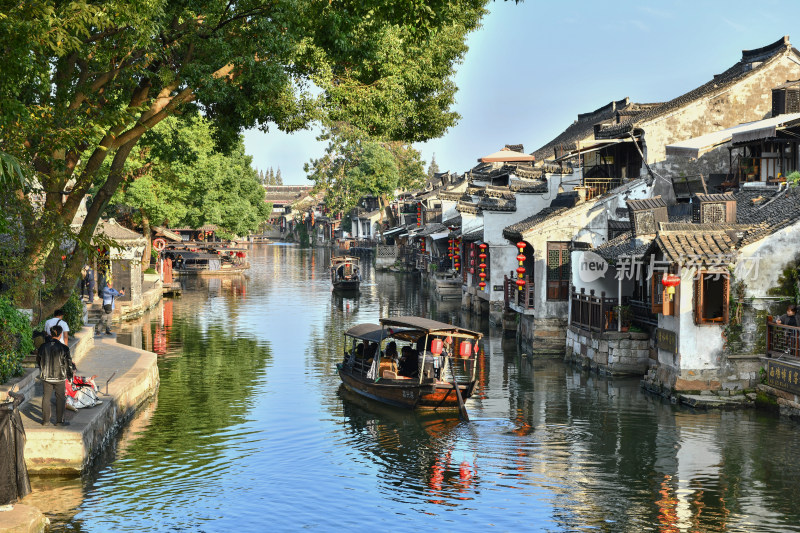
436	346
521	270
465	349
670	281
482	265
482	285
482	256
482	275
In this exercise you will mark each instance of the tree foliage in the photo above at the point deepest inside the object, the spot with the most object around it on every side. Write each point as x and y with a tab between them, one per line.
354	166
83	82
194	185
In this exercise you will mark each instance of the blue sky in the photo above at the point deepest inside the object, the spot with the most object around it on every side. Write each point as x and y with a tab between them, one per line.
533	67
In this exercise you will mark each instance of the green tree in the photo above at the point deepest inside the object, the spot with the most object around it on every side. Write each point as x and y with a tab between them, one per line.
354	166
278	178
184	181
83	82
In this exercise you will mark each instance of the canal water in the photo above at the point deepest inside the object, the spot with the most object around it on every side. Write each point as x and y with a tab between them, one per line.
250	431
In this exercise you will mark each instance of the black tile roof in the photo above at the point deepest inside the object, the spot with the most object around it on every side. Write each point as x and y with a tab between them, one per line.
514	231
497	204
619	225
707	247
529	186
679	212
583	127
646	203
623	245
775	211
752	61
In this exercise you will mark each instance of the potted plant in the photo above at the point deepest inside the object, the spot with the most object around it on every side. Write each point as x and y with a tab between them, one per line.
624	315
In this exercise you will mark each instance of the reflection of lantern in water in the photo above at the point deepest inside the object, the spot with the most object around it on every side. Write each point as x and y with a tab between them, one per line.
521	269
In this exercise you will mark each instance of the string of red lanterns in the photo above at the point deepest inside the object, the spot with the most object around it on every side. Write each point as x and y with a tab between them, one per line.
419	214
521	269
456	252
482	256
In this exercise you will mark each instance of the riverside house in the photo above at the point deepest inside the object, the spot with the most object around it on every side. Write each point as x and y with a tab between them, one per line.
628	142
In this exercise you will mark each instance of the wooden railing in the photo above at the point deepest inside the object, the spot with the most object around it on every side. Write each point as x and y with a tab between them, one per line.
593	313
599	186
511	293
782	340
642	313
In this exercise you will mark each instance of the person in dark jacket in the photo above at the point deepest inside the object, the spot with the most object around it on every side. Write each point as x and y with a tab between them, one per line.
55	363
88	279
790	318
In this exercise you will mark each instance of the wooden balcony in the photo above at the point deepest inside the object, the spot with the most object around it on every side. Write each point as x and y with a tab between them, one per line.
513	295
593	313
782	341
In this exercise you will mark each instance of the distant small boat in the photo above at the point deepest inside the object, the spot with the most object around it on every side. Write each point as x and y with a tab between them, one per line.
207	259
345	274
436	367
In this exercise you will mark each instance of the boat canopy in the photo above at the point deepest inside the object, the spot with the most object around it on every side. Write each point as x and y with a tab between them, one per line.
371	332
431	327
343	259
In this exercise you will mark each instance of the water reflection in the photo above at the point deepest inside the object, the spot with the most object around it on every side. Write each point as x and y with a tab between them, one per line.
251	425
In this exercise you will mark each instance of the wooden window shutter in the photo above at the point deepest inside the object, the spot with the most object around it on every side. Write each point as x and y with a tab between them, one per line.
566	273
655	284
558	270
698	298
726	289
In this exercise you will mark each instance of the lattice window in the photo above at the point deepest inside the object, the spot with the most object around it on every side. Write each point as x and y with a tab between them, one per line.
713	213
645	222
558	270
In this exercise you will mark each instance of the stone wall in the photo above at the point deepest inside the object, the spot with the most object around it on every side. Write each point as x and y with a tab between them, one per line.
736	374
746	101
543	337
612	352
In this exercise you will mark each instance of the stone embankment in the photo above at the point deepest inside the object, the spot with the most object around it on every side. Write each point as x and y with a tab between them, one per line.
127	378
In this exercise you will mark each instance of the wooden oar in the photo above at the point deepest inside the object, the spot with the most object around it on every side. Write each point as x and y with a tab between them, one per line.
462	409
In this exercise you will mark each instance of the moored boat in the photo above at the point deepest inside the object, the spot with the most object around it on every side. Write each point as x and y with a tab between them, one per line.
345	274
411	362
205	259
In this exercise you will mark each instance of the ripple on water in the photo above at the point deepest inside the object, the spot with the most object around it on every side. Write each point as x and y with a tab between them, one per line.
252	432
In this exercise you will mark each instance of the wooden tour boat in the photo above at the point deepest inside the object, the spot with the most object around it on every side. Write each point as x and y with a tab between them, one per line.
345	274
436	368
207	259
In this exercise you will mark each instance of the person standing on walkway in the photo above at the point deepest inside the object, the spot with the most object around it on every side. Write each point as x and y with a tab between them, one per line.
58	320
109	294
88	279
55	365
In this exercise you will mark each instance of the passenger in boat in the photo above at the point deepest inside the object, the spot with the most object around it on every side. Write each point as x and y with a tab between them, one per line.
790	318
370	350
389	358
409	362
391	350
360	351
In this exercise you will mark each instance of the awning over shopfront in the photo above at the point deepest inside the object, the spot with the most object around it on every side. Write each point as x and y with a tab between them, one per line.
760	129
